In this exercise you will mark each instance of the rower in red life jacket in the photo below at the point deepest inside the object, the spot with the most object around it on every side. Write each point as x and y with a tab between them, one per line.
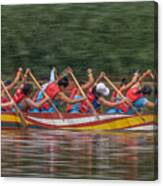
124	86
75	93
46	81
22	99
5	106
138	96
56	91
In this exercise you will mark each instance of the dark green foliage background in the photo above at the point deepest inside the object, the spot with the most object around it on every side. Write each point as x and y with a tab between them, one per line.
117	38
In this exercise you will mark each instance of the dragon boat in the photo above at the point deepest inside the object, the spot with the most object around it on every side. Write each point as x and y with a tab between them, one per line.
79	121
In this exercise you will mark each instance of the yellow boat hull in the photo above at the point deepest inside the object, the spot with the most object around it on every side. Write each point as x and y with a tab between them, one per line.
80	121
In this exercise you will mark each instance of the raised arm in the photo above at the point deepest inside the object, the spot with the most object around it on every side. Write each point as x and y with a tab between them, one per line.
141	78
145	74
16	80
150	104
128	85
90	81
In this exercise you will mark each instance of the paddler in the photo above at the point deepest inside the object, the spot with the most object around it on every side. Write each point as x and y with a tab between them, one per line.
138	96
97	96
75	93
23	100
53	77
56	91
124	86
9	86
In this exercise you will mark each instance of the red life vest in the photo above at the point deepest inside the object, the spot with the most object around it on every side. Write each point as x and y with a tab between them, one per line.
84	105
114	95
72	95
5	100
133	96
18	96
124	107
51	90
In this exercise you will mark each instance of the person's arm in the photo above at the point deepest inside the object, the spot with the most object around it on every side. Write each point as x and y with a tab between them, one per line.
66	99
145	74
25	76
90	81
30	102
16	80
128	85
150	104
107	103
141	78
52	75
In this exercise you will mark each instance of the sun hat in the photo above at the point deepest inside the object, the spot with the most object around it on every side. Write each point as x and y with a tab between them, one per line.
102	89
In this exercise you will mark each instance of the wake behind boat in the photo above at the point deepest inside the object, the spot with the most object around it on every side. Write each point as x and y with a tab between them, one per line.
80	121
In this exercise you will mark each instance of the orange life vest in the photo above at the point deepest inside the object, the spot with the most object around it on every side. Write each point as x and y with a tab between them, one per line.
114	95
18	96
5	100
133	95
51	90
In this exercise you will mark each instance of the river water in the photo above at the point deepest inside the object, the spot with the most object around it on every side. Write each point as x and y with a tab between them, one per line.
73	154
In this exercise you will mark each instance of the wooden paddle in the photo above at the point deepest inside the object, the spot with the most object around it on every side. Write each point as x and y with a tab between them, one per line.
99	78
83	93
18	111
122	96
45	94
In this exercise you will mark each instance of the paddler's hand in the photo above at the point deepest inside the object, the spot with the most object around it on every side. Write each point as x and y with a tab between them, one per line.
83	99
152	75
89	71
68	70
20	69
47	98
27	72
147	73
125	100
102	74
19	73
